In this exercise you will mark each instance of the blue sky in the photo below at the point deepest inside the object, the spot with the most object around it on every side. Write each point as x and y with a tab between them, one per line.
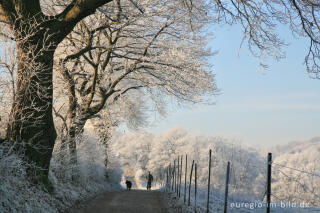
262	108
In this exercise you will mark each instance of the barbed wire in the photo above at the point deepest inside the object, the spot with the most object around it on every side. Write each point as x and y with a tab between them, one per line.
280	199
298	170
277	168
302	185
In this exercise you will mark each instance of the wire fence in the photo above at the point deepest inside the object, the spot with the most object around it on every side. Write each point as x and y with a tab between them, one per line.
181	178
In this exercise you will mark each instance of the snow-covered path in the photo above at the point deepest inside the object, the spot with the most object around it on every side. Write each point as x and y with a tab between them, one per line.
135	201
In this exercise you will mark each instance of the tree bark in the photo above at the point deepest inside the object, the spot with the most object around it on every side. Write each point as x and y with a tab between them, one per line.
72	145
76	127
31	121
37	36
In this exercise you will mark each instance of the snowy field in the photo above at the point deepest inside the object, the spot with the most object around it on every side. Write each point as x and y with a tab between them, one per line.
294	169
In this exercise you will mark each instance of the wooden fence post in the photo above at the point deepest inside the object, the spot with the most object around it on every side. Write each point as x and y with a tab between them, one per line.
173	173
167	180
208	197
177	176
195	188
190	183
269	183
170	175
170	181
180	177
185	180
227	189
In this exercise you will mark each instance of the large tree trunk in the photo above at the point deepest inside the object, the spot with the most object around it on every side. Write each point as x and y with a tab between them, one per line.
31	121
75	131
76	127
37	37
72	143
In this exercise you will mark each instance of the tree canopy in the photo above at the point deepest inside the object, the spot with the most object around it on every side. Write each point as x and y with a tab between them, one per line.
115	52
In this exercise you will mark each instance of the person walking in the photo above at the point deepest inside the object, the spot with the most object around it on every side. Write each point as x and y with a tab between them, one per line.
149	180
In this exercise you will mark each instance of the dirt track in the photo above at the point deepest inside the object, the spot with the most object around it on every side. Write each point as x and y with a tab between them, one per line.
135	201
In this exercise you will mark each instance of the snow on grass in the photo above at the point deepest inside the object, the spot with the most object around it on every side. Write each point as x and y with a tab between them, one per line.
132	155
235	204
18	193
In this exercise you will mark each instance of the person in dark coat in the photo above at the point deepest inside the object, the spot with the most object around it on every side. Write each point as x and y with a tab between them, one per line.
129	185
149	180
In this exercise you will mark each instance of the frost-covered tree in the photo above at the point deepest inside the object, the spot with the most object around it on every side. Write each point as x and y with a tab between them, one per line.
37	36
7	84
247	173
296	172
37	31
150	50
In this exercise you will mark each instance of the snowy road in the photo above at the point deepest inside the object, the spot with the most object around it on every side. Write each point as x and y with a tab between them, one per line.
135	201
